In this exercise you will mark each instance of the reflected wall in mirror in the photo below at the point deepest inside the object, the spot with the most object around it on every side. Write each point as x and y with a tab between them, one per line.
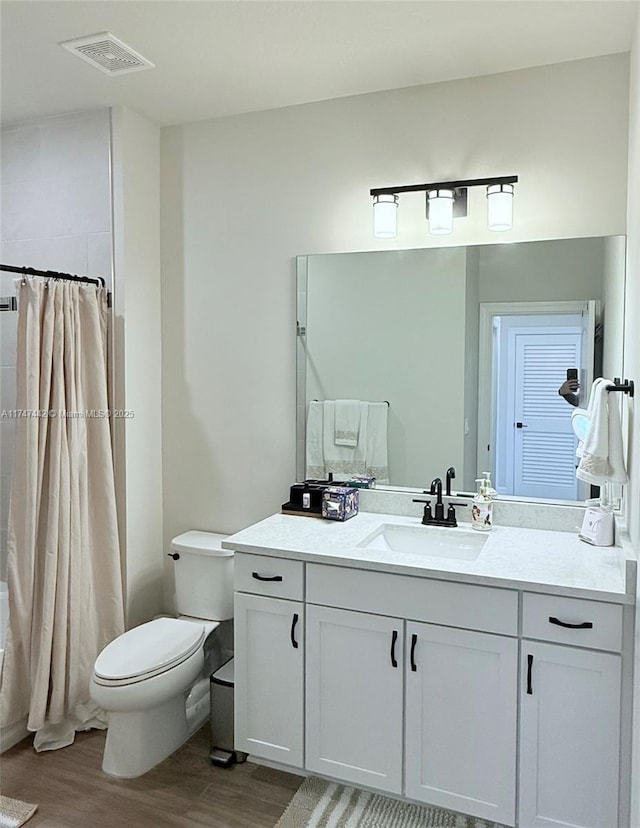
464	343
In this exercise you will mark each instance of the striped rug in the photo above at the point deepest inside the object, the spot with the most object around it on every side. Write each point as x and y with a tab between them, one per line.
321	804
14	812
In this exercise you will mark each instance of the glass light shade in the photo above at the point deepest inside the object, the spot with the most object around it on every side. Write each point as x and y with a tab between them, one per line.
385	216
500	207
440	205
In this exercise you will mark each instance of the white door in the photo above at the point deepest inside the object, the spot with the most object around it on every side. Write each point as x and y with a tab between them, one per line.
461	720
269	678
569	737
500	406
355	697
544	445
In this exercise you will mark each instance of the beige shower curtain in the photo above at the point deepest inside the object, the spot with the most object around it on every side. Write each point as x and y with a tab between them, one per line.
64	575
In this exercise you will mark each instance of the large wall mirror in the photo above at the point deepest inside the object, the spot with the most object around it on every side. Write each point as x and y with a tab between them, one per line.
469	346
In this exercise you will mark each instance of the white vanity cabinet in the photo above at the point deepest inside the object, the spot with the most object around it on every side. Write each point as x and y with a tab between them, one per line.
354	680
570	707
491	701
460	722
460	687
269	661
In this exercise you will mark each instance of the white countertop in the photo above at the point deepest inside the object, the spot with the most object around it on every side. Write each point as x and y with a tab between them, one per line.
537	560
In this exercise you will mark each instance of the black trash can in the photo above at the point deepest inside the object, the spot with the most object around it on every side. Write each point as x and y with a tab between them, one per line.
221	696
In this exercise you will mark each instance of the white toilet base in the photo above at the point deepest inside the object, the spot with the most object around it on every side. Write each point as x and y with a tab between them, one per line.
138	741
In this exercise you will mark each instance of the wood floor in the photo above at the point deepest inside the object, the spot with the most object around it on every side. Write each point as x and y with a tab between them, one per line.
184	791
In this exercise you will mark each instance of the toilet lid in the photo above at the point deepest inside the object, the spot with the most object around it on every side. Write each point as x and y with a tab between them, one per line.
149	649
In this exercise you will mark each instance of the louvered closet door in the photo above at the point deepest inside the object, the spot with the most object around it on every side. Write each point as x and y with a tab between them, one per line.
544	446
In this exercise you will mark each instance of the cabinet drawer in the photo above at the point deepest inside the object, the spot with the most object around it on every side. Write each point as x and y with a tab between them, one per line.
418	599
572	621
278	577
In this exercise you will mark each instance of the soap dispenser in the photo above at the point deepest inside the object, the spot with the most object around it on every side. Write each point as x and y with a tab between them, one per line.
482	509
489	490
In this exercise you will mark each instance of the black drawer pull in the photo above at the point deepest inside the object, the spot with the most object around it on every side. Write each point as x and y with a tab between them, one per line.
259	577
394	638
294	621
586	625
529	668
414	641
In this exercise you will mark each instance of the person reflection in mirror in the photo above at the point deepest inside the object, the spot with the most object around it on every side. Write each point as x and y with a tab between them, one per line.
568	391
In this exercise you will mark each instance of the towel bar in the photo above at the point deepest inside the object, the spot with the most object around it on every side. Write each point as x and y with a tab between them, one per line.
627	386
385	401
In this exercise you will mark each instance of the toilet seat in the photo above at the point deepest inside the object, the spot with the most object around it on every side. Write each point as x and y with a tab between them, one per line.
148	650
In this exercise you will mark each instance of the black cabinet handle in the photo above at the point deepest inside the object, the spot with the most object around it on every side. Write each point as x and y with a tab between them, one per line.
259	577
394	638
414	641
586	625
294	621
529	668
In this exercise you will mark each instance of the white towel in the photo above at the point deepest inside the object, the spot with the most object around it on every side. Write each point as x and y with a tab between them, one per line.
315	455
377	461
343	461
369	457
347	422
601	454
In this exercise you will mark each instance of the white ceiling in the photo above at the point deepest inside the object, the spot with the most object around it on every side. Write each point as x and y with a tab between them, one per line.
219	57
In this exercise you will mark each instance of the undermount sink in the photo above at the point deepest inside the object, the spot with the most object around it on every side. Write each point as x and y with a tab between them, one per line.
432	541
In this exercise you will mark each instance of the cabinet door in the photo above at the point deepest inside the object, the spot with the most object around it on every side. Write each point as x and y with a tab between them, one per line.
269	685
569	736
354	697
461	720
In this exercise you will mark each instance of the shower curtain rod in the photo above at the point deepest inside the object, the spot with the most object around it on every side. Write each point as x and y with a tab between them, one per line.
53	274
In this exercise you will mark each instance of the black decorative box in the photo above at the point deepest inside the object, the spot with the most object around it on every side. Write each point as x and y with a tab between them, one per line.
306	498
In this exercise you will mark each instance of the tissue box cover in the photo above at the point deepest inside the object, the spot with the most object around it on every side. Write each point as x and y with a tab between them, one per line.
340	502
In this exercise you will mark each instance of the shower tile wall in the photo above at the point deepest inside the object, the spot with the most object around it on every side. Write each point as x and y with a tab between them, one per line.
55	214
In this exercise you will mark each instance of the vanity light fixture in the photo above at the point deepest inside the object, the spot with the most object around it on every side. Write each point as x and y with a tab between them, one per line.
385	216
446	200
440	211
500	207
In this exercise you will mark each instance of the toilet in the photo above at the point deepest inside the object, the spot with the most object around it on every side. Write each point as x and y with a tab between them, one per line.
153	680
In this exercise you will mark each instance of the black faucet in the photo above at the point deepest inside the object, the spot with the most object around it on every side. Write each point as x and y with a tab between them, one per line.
451	473
437	517
436	489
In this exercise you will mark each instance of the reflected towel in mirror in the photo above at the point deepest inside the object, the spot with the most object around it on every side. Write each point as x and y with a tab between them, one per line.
344	460
377	463
369	457
347	422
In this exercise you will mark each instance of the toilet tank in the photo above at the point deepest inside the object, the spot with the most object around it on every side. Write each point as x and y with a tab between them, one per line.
203	573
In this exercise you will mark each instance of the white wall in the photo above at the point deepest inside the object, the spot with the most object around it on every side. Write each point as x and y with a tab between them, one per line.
632	370
55	215
632	326
242	196
137	358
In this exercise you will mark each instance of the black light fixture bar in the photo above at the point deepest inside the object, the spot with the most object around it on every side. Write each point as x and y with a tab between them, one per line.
445	185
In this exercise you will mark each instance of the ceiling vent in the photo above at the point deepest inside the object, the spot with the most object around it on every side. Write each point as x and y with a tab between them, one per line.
108	54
